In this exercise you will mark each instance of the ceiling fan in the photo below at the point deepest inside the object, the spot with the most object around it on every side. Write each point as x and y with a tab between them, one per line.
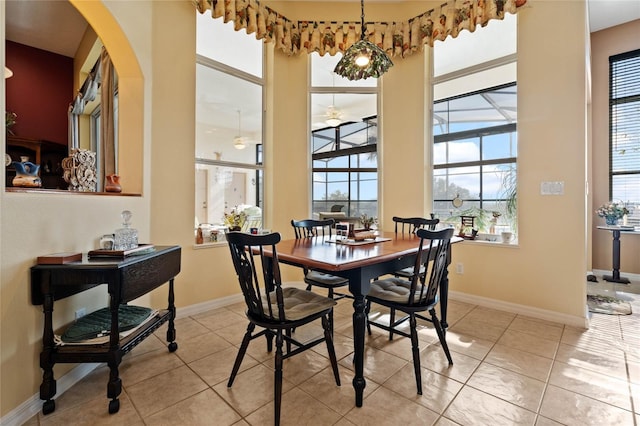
333	116
241	141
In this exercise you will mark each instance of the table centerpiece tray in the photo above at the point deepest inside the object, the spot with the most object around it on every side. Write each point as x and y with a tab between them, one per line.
354	242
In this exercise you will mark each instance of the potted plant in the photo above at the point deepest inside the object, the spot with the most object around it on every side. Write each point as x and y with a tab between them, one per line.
367	221
611	212
9	120
235	219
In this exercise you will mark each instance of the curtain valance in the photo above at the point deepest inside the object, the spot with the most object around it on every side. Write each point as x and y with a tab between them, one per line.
397	39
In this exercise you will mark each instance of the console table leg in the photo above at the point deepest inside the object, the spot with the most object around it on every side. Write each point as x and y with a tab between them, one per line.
171	329
48	386
114	387
359	314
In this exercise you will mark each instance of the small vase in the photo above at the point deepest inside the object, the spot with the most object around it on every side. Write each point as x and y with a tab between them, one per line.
611	220
112	183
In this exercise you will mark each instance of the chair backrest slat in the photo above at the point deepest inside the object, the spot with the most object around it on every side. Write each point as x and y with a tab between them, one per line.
409	225
262	292
307	228
433	253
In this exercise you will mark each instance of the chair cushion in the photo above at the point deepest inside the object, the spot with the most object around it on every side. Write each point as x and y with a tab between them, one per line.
325	279
299	303
392	289
408	272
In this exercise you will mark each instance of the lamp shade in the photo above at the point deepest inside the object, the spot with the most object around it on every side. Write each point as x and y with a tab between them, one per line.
363	59
378	62
7	72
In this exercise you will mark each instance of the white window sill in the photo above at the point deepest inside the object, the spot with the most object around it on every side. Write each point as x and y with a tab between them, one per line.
493	240
209	245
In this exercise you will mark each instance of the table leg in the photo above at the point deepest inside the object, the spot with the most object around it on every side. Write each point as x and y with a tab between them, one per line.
359	287
615	273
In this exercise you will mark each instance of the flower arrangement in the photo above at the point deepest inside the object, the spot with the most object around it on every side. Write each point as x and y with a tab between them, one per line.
612	212
10	120
234	219
367	221
615	210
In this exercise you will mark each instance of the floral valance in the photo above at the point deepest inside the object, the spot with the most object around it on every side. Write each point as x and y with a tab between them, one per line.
397	39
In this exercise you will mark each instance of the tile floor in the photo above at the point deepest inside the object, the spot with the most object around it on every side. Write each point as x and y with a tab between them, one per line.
508	369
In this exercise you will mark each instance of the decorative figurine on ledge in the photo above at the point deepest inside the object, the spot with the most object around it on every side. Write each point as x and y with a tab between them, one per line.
26	175
112	183
80	170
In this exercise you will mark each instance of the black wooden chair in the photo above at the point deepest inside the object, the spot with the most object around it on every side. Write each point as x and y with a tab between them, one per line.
275	309
405	226
419	294
409	225
308	228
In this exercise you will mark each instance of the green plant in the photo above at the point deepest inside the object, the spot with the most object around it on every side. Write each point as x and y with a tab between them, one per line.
10	120
367	221
480	222
510	195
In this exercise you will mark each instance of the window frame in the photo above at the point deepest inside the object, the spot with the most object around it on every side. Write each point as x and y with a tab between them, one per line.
628	124
476	134
258	165
352	205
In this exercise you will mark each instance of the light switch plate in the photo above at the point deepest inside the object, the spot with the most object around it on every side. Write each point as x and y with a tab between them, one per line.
552	188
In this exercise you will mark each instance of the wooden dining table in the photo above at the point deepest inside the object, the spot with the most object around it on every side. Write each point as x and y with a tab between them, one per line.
360	264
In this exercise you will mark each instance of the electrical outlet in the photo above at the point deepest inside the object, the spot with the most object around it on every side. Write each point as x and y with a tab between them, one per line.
80	313
459	268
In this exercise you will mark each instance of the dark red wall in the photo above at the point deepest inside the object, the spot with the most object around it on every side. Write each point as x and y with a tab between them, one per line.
39	92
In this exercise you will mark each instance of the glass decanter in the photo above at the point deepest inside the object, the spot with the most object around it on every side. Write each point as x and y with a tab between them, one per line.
125	238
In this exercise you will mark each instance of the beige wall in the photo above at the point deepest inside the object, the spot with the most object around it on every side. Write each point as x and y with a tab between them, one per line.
545	272
35	224
612	41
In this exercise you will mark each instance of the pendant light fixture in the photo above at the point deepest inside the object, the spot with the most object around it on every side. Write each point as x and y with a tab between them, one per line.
238	141
363	59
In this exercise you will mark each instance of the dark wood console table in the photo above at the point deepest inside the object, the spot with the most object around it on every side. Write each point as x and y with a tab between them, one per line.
126	279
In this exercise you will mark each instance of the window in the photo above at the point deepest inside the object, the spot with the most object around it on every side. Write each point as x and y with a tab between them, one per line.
343	141
475	128
624	131
474	155
229	127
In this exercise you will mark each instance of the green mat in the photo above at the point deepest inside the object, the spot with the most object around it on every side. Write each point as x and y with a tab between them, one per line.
98	323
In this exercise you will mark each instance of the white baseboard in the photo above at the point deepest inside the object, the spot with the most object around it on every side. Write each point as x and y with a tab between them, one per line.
515	308
33	405
199	308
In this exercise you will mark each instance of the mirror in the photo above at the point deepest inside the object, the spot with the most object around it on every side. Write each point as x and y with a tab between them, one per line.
51	66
